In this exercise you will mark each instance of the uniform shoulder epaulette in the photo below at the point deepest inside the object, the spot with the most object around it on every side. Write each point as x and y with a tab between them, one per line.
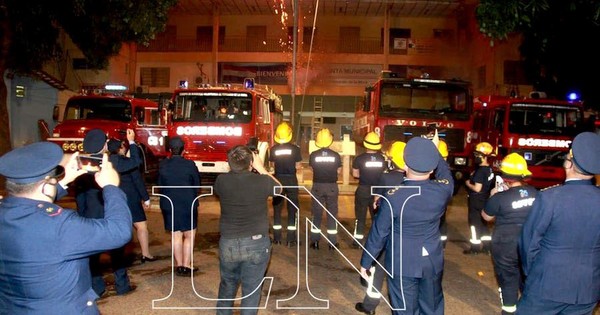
442	181
553	186
50	209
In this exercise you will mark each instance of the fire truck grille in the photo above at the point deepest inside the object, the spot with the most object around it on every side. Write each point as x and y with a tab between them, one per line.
455	138
541	157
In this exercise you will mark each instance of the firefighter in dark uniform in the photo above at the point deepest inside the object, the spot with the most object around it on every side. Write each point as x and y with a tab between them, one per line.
43	247
509	205
286	158
392	177
367	167
560	240
413	216
326	165
479	185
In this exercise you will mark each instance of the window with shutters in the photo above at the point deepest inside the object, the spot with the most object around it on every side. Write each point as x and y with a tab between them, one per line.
155	77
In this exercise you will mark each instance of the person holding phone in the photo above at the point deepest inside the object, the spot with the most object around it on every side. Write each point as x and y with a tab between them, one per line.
126	157
91	204
44	248
244	246
413	216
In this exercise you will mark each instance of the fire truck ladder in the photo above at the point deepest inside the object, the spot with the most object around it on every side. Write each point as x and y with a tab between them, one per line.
317	118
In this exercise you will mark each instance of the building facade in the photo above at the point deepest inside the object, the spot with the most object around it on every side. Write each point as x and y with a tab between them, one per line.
342	46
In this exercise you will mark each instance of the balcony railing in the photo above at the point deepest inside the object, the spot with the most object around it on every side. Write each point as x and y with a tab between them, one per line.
415	46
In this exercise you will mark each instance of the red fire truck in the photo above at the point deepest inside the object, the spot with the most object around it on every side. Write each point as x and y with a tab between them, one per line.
212	119
400	108
113	112
539	129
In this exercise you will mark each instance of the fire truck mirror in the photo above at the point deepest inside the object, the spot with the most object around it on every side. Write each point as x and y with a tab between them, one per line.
55	112
272	107
367	100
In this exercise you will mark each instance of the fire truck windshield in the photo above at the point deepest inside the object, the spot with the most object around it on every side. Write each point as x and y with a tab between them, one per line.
98	108
546	119
425	100
213	107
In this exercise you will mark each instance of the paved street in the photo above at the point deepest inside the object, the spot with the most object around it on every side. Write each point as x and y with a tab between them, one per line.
328	284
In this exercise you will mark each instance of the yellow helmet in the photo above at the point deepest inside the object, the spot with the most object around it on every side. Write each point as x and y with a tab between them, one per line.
372	141
443	148
514	165
283	134
324	138
396	153
484	148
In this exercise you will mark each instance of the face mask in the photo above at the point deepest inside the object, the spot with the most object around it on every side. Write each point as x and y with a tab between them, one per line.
53	190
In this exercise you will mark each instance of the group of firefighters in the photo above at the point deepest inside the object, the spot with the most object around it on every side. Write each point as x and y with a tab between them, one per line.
504	198
545	245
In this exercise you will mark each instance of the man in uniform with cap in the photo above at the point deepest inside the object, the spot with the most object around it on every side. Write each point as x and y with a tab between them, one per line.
286	158
413	216
560	240
326	165
391	178
43	247
90	204
367	167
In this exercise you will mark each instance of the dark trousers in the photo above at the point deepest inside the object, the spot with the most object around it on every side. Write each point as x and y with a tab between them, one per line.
245	261
422	295
327	194
505	256
372	298
363	200
533	305
118	264
278	202
478	228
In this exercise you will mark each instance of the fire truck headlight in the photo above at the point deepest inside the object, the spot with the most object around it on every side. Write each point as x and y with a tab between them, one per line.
459	160
65	146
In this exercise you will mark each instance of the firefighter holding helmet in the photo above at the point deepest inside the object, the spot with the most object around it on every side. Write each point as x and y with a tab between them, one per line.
367	167
509	207
479	186
286	158
326	165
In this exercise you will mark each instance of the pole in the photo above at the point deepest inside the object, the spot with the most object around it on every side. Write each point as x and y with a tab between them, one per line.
294	53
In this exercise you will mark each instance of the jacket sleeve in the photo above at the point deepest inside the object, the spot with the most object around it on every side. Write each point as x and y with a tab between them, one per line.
533	231
124	164
378	235
442	173
140	187
81	237
195	174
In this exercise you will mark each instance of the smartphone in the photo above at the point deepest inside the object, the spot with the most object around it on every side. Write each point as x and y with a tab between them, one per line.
89	163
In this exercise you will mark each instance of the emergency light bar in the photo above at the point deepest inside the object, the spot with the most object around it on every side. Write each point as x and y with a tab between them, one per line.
249	83
115	87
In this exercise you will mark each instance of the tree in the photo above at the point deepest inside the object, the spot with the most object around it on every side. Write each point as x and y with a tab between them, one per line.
558	43
29	33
